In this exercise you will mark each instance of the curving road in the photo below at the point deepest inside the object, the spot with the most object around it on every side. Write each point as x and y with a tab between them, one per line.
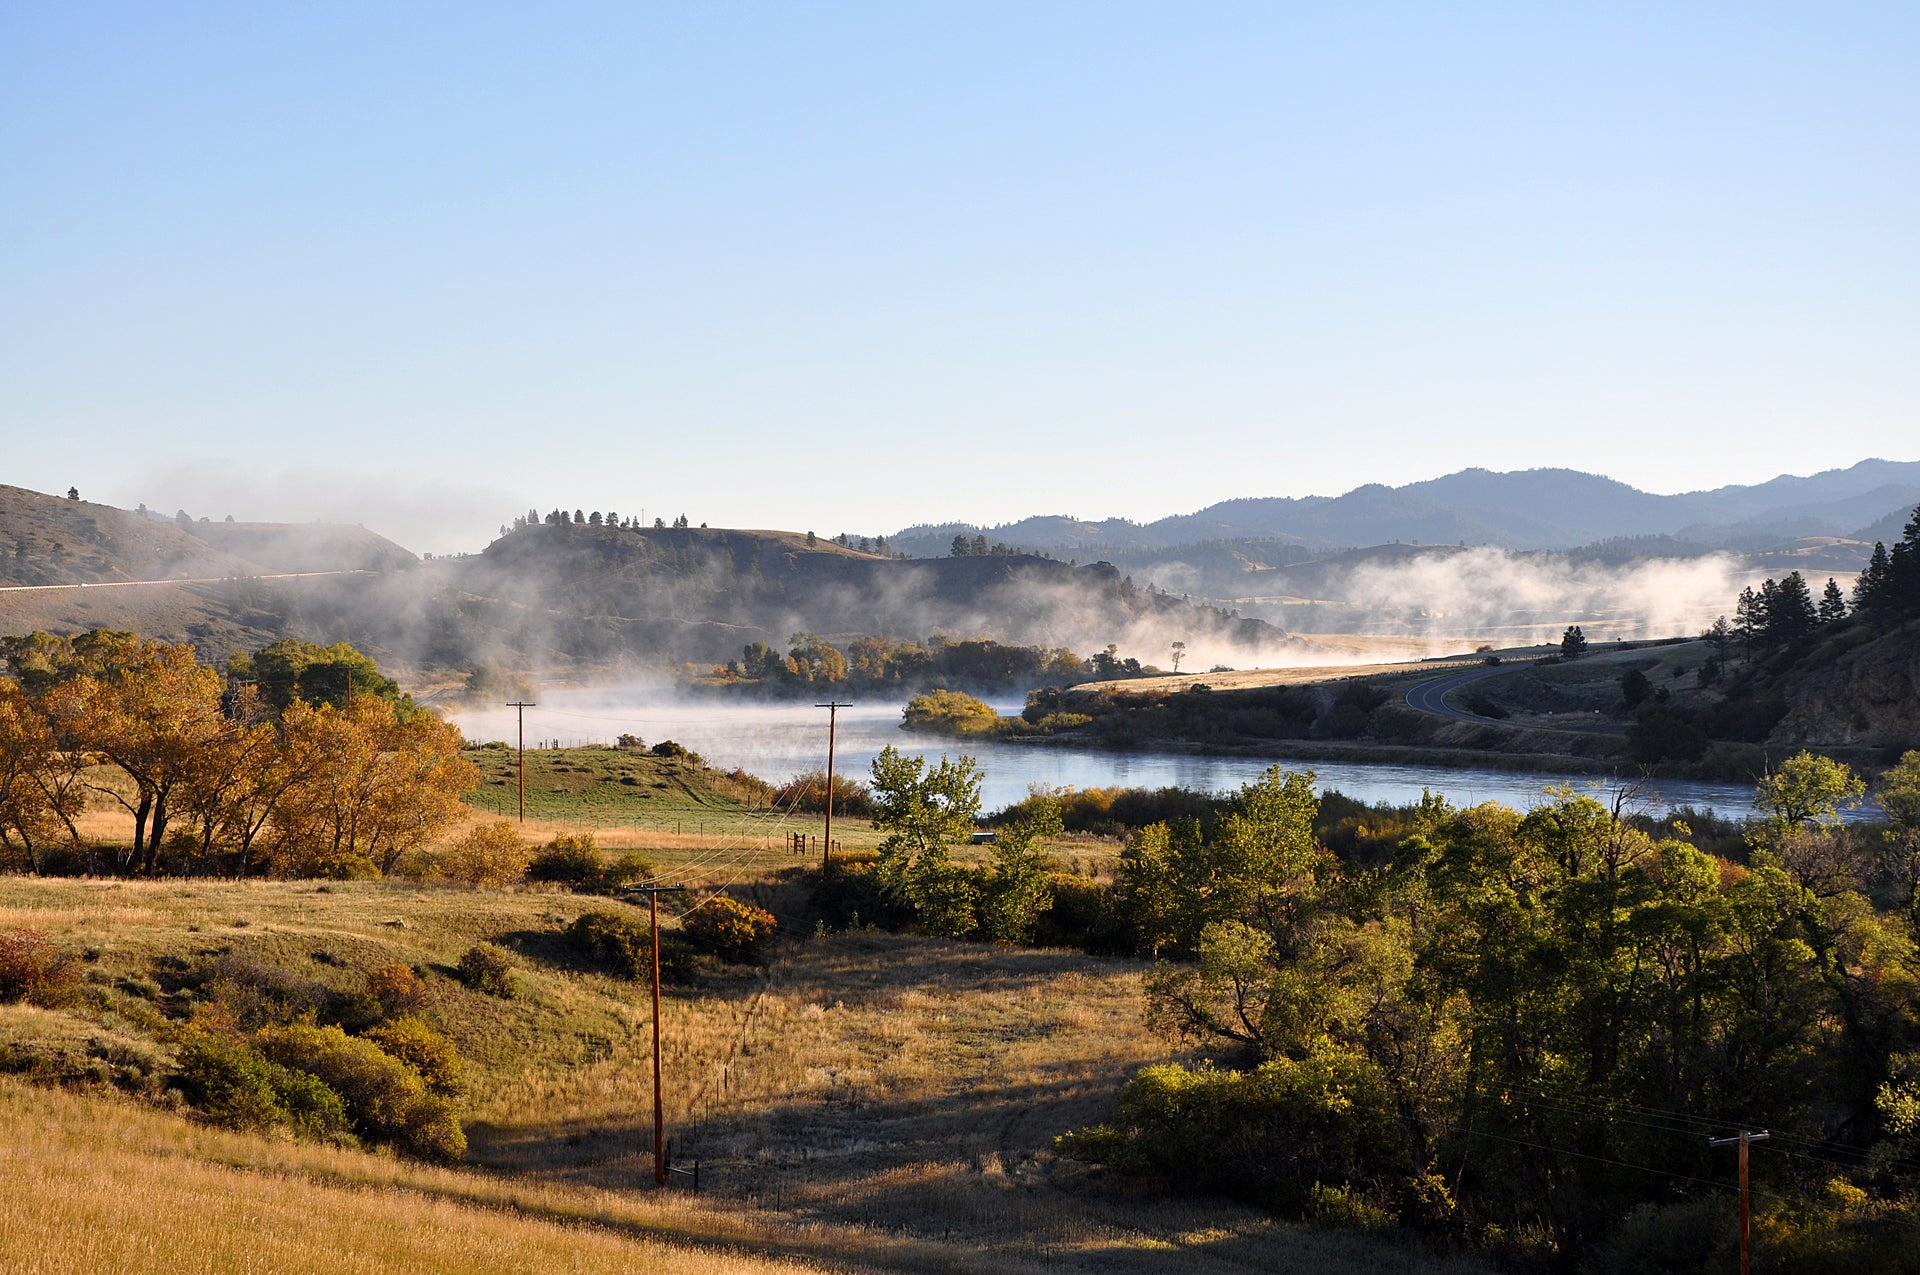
1431	696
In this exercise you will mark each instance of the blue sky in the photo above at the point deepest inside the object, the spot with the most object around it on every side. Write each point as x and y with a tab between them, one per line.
850	267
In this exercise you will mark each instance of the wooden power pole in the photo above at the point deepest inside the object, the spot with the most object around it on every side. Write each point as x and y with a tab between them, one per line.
522	708
1741	1140
653	893
833	708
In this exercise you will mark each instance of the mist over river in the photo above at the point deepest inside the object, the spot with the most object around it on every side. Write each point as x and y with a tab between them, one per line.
779	740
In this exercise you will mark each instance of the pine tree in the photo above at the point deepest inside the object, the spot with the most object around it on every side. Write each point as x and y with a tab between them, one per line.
1870	589
1903	570
1791	612
1832	605
1750	618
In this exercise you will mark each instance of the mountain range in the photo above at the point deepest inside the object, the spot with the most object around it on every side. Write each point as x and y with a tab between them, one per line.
1535	509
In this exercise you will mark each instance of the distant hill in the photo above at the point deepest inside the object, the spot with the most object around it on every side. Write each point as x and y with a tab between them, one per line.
1525	509
46	540
300	546
701	594
49	540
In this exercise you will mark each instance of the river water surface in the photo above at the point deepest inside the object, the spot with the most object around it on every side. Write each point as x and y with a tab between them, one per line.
779	740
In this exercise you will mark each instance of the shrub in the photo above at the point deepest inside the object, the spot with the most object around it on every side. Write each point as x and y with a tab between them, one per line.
668	749
228	1081
486	968
235	1086
488	854
1083	915
253	993
733	930
576	861
386	1098
624	946
808	794
32	968
617	942
409	1039
567	858
852	895
628	868
433	1131
398	989
1271	1133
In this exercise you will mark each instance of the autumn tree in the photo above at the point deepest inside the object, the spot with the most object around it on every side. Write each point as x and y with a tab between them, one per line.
154	715
40	795
376	786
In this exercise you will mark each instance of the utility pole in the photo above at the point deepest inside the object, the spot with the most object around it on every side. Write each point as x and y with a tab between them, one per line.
1746	1213
522	708
653	893
833	708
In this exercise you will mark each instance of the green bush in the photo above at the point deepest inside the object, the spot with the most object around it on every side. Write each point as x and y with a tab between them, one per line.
1693	1235
235	1086
568	859
1083	915
730	929
1273	1133
387	1099
851	894
624	946
409	1039
576	861
489	969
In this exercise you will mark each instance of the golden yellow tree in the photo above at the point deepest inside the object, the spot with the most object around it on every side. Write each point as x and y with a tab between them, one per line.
154	714
39	791
374	785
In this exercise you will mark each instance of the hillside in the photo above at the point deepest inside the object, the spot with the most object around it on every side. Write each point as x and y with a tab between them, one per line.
301	547
1854	689
701	594
49	540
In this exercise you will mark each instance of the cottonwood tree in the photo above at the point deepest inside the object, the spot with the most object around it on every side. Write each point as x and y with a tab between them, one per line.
924	811
154	716
374	787
39	792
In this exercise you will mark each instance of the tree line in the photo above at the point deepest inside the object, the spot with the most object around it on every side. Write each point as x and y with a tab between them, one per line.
875	662
1779	612
301	761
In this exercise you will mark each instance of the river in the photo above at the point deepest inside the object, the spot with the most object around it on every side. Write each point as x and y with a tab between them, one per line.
779	740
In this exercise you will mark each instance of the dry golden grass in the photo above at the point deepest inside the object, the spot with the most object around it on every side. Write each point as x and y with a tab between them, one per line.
871	1099
96	1186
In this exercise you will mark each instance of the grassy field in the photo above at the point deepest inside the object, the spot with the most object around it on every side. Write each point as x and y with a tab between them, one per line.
93	1185
863	1100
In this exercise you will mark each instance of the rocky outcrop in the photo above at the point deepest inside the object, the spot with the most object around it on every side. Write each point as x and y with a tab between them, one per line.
1864	696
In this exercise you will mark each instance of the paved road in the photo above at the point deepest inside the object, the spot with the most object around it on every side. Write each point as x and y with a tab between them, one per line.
1430	696
137	584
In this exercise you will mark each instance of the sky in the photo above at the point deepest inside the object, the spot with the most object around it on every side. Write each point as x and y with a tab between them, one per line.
846	267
